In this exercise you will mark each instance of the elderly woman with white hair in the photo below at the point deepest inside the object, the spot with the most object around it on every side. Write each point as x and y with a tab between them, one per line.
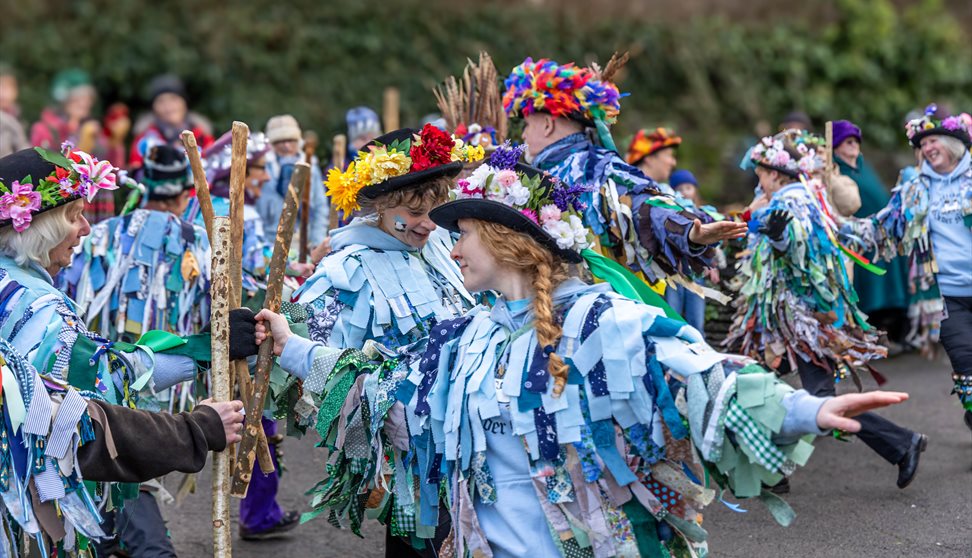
929	220
63	384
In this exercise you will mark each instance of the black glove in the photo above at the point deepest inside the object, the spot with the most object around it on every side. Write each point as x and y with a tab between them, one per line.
775	224
242	333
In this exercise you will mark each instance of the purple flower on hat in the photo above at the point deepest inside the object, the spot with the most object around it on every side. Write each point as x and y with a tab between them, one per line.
19	204
506	157
931	109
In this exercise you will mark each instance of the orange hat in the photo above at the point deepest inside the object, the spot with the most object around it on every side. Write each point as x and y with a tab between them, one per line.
645	143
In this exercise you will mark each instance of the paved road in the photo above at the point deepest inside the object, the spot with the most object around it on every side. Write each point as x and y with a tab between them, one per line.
845	499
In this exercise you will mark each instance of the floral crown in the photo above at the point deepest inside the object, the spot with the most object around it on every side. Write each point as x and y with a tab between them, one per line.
560	90
76	175
956	126
428	149
771	153
543	199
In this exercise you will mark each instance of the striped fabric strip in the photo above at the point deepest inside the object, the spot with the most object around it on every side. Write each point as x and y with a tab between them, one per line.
65	425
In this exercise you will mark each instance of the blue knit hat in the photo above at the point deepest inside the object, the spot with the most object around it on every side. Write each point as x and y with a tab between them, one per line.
682	176
362	120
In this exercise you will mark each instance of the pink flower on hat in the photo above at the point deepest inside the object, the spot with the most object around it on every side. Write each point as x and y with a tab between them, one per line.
95	174
19	204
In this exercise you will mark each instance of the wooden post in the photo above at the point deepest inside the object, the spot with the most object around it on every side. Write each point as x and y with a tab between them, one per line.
261	381
310	146
241	134
220	383
199	177
338	151
390	108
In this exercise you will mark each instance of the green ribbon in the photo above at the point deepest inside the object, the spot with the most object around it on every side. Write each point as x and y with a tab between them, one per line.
657	202
868	266
604	134
626	283
159	340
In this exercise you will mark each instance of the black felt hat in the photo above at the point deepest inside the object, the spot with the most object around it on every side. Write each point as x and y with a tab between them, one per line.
449	214
406	180
958	134
30	163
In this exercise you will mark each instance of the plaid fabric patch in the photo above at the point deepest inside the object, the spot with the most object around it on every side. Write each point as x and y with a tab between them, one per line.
402	520
749	435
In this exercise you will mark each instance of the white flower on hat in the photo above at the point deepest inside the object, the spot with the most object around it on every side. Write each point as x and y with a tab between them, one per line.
495	191
561	232
579	231
477	180
517	194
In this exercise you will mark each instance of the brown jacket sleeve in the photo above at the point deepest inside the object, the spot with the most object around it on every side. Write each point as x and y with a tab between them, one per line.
136	446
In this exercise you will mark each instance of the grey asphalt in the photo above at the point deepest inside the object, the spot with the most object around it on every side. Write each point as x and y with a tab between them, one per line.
846	500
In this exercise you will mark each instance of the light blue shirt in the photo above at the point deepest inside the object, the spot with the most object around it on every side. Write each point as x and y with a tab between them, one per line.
951	237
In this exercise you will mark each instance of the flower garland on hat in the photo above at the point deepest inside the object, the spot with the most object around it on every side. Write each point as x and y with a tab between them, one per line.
560	90
771	153
76	175
957	126
556	209
428	149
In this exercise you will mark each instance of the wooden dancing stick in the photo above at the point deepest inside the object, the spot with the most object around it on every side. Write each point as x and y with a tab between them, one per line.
828	153
241	134
310	146
338	151
390	109
261	380
199	177
220	383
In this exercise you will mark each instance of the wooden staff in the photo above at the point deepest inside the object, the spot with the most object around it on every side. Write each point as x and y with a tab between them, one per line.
310	146
241	134
261	381
389	111
199	177
828	154
220	383
338	151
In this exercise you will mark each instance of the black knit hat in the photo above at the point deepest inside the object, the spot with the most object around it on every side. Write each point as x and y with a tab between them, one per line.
166	172
166	83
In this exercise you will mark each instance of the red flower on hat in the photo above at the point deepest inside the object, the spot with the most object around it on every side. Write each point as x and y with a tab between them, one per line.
433	148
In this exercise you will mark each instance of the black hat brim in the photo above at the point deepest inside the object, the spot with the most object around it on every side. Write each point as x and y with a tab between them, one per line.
450	170
939	131
781	170
449	214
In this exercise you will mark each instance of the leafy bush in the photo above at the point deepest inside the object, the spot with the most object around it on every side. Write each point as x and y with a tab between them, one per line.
710	78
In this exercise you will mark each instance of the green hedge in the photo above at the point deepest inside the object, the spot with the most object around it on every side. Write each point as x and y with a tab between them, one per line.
712	79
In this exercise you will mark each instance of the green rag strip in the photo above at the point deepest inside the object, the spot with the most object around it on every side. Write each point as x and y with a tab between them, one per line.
626	283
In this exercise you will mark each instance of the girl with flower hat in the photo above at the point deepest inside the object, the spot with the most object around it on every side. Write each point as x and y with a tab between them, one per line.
929	221
389	276
547	422
797	309
71	378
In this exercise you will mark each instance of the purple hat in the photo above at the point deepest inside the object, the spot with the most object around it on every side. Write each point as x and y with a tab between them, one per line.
844	129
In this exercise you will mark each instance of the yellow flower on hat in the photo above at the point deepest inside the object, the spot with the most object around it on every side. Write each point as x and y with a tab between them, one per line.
384	165
342	188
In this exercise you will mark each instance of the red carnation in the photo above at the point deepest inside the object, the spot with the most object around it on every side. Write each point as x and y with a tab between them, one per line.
434	148
61	172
